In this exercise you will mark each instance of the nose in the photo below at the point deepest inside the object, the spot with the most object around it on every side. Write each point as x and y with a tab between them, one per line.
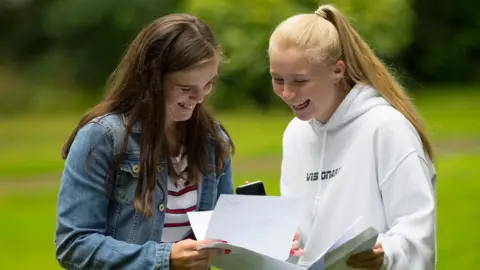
197	96
287	93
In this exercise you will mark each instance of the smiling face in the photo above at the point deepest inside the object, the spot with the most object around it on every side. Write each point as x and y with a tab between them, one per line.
185	89
310	90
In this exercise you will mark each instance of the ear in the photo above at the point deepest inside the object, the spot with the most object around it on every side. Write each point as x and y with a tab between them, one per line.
338	71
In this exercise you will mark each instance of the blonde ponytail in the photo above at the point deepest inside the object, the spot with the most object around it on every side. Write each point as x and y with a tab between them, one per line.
362	65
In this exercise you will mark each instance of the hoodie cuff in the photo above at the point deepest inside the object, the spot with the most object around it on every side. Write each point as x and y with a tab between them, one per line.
386	253
162	261
385	262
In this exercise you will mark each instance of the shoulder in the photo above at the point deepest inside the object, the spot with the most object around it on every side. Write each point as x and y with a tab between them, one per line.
296	129
222	133
106	129
394	133
112	123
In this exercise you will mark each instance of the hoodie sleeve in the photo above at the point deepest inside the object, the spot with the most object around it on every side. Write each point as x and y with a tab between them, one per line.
407	182
288	152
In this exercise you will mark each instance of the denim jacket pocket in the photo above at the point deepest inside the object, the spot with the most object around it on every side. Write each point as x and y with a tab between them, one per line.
127	180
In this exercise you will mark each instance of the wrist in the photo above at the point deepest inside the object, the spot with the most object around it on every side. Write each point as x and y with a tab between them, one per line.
163	256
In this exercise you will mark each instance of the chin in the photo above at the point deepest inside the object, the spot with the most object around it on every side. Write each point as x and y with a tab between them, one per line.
182	119
304	116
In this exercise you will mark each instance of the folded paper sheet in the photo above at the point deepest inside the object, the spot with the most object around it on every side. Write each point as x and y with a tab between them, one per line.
259	231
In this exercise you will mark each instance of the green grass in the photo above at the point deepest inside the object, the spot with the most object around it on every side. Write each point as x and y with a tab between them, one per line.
31	145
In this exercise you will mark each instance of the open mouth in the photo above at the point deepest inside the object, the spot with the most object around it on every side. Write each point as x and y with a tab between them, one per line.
300	106
187	106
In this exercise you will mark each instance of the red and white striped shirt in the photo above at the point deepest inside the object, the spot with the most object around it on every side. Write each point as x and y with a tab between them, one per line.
181	199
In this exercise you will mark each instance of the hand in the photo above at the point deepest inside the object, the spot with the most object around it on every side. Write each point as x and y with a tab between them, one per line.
369	260
296	250
185	254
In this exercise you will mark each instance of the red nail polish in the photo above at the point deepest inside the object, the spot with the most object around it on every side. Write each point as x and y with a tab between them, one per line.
227	251
224	241
291	252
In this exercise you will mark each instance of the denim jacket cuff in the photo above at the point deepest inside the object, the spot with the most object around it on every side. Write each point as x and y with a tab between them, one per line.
163	256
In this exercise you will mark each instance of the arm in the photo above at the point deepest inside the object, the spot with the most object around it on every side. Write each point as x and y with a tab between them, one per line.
287	162
82	212
408	196
225	182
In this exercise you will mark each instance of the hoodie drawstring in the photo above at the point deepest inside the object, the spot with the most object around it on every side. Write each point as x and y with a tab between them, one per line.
322	156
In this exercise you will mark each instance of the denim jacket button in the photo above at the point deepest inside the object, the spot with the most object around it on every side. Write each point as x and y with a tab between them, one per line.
159	168
161	207
136	169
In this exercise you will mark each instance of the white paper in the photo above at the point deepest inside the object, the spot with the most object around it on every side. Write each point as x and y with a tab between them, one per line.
199	221
259	231
358	237
241	259
263	224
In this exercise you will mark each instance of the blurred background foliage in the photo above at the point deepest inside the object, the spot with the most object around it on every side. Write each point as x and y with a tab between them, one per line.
55	56
67	48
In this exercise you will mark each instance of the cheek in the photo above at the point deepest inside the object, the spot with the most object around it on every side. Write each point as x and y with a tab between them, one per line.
208	90
175	96
322	94
277	88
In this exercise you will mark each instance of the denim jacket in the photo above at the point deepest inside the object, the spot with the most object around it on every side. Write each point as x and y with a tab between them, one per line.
94	232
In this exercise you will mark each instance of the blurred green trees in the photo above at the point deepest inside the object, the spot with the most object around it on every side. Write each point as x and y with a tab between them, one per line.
65	49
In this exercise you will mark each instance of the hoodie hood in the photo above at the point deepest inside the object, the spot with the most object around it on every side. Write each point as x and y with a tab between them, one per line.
358	101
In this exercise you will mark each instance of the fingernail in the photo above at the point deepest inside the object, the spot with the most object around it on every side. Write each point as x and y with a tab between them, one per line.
227	251
292	252
223	241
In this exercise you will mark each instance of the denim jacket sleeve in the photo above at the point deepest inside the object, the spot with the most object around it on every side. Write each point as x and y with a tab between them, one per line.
82	209
225	182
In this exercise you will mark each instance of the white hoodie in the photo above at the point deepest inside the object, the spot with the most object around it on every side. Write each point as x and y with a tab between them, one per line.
367	160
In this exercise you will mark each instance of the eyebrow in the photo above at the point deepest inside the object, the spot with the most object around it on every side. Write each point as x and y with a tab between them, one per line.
185	85
292	75
192	85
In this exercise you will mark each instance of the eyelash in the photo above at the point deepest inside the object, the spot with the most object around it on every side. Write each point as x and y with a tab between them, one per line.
278	80
300	81
297	81
190	88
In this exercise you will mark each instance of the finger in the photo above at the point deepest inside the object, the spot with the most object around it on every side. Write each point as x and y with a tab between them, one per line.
246	182
296	236
198	255
217	251
210	241
297	252
224	252
378	250
378	245
295	244
203	263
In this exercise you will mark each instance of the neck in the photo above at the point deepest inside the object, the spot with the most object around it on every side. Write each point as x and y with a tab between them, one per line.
341	91
173	137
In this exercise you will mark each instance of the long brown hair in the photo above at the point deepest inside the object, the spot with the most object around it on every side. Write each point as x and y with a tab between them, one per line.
326	36
168	44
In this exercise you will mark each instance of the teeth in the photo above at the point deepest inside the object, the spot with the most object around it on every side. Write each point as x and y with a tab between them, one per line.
299	104
187	106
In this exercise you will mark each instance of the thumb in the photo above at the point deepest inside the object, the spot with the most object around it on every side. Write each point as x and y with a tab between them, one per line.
210	241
